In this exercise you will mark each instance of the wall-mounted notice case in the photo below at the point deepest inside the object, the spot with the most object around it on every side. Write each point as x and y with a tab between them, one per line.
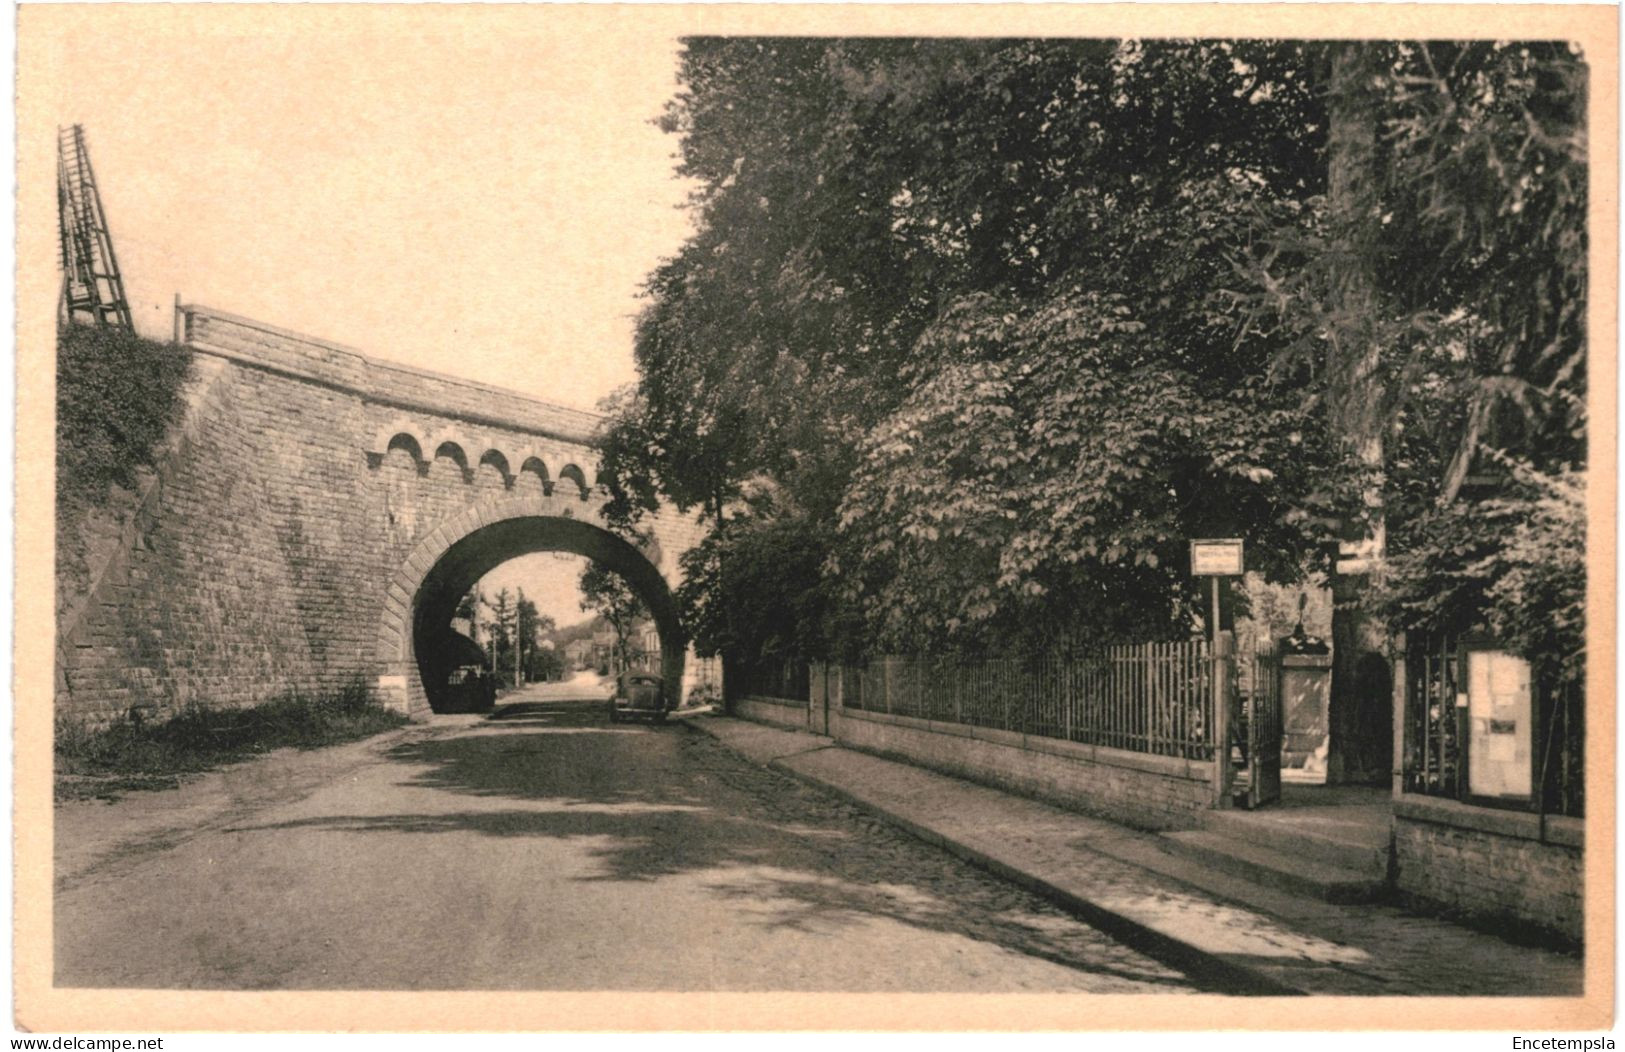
1500	725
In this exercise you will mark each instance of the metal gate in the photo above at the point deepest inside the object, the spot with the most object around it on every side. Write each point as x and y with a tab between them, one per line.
1259	690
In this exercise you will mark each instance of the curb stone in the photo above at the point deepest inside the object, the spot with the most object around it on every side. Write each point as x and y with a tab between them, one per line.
1220	975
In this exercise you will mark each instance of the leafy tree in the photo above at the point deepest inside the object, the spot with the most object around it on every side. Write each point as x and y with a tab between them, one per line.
1045	483
901	247
1513	564
734	594
530	627
1463	225
996	325
543	663
606	594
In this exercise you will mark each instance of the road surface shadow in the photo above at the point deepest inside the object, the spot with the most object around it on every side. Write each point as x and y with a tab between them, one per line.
663	804
565	762
571	712
822	906
532	715
787	877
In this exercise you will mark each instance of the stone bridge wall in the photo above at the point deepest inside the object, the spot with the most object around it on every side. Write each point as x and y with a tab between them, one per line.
259	561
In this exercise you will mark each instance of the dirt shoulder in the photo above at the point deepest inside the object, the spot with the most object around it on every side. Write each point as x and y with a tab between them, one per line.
91	834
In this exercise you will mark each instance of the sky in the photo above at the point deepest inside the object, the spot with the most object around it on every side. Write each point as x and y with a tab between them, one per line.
481	198
547	578
478	196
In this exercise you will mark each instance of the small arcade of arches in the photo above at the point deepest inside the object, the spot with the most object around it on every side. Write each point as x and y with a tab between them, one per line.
508	461
433	649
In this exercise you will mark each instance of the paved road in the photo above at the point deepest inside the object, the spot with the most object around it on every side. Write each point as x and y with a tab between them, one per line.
581	686
542	849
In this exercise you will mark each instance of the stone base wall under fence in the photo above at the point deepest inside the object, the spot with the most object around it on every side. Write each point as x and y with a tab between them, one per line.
1495	865
1152	792
780	712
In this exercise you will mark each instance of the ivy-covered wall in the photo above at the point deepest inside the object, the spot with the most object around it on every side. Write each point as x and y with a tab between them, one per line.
118	397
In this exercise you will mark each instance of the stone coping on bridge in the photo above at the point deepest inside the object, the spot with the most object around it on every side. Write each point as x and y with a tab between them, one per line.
309	358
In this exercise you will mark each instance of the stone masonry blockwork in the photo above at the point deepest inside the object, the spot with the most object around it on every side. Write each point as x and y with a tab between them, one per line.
264	559
1492	875
1145	798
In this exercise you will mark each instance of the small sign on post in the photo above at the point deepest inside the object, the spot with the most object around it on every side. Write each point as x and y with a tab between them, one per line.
1216	558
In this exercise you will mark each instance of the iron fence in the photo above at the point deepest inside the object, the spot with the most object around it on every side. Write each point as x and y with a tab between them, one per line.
1256	716
784	678
1152	697
1562	758
1432	736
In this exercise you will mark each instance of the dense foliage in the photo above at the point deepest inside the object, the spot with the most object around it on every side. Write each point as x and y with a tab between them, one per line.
116	396
1468	224
132	754
1047	478
734	593
1513	565
973	336
607	595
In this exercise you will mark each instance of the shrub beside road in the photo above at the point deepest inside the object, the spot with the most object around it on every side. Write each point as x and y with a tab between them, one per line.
133	754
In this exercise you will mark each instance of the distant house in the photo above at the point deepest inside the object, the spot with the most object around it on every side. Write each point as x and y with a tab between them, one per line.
646	649
603	648
642	649
578	653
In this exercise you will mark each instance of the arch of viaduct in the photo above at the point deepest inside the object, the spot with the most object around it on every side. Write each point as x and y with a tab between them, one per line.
315	519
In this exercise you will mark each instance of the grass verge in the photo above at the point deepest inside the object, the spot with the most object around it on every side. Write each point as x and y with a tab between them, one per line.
133	754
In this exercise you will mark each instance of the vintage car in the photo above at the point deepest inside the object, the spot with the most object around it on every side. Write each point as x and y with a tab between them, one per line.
469	689
639	694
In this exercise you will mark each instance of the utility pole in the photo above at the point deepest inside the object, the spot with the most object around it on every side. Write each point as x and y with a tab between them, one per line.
519	639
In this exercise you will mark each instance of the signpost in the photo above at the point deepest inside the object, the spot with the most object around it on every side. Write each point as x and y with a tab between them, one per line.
1216	558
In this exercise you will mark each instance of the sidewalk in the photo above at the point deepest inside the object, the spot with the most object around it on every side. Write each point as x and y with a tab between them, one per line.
1124	883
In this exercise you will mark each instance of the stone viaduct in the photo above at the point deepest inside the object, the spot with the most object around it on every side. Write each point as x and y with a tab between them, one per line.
315	519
